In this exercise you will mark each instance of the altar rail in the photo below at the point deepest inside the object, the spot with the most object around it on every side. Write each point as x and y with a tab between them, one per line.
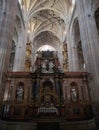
47	110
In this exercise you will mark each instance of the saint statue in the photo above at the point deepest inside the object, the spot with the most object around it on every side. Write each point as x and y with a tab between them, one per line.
47	98
74	95
44	66
51	65
19	93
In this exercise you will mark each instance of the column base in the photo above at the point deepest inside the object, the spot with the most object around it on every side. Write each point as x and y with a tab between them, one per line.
95	107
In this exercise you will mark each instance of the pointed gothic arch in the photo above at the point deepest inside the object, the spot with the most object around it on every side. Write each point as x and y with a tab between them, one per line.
97	19
78	45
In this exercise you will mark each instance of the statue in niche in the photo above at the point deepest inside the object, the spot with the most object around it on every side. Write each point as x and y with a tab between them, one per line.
44	66
47	98
19	93
6	109
51	65
74	95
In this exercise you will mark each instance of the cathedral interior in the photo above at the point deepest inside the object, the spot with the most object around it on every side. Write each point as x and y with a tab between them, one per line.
49	64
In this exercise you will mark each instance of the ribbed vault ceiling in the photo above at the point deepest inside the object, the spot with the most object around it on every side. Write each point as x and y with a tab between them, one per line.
46	38
46	15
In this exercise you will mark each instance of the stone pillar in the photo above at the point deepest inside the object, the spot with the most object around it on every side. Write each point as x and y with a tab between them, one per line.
19	62
37	87
33	89
94	47
90	46
72	53
70	63
74	57
57	87
7	18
